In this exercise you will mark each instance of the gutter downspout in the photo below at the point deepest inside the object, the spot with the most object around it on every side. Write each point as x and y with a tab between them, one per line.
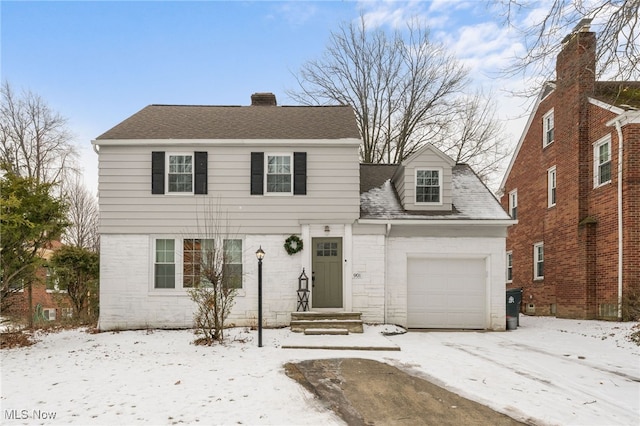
620	222
386	268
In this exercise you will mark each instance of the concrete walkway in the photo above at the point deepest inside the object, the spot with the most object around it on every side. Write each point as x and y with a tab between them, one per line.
367	341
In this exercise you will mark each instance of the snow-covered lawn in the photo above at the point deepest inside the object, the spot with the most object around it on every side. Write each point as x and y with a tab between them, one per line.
548	371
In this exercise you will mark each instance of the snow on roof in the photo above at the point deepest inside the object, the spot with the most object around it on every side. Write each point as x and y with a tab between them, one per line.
472	200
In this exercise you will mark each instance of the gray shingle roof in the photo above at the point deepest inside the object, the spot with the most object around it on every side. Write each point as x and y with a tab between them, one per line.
237	122
472	200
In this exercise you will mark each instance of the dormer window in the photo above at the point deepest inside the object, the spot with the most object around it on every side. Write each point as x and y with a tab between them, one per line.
548	128
429	186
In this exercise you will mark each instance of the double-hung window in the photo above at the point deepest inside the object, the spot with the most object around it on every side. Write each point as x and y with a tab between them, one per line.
548	128
513	204
279	174
551	187
428	186
602	161
165	264
233	263
509	266
180	173
538	261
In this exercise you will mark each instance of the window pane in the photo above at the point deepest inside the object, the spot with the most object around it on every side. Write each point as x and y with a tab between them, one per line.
165	251
165	276
605	172
278	183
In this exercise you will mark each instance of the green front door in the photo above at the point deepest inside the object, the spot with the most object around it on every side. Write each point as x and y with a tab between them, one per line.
327	273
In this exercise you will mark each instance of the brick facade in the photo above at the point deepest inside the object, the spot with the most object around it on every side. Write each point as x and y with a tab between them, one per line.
579	232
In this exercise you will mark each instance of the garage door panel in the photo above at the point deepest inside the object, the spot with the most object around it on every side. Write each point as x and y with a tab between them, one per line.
446	293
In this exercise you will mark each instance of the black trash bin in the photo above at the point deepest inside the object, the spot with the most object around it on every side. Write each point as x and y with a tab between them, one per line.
514	298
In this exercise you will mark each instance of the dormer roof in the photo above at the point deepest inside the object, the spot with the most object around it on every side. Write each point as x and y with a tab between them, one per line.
472	200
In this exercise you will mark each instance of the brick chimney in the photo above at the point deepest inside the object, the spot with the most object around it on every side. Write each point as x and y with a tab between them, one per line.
576	62
263	99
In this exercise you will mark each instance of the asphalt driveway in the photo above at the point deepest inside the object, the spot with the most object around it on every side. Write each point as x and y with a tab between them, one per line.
369	392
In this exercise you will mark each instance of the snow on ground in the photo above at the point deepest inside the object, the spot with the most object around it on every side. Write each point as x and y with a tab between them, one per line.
548	371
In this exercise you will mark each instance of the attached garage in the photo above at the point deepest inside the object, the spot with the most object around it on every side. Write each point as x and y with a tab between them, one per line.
447	293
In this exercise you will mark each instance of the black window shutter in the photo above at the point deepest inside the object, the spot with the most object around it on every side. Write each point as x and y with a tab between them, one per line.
299	173
157	172
257	173
200	176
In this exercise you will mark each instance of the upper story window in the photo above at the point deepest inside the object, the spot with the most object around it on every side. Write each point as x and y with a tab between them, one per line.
513	204
279	173
509	266
538	261
551	187
284	174
602	161
548	127
180	173
52	282
429	186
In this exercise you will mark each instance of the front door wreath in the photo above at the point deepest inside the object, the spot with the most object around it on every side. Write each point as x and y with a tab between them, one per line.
293	244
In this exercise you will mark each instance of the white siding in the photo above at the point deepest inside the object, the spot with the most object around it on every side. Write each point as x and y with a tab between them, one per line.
128	207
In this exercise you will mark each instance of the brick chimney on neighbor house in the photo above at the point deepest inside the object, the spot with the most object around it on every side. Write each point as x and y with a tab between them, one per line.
575	82
576	62
263	99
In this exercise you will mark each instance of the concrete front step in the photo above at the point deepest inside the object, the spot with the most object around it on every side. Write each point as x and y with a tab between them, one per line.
300	321
330	331
315	315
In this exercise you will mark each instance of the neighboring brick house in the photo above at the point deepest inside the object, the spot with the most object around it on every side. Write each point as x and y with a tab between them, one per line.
46	299
576	248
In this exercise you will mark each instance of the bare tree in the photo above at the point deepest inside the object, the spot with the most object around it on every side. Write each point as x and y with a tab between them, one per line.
34	140
615	21
475	136
401	86
213	273
83	217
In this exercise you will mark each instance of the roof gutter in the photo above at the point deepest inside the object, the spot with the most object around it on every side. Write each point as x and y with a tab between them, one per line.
227	142
437	222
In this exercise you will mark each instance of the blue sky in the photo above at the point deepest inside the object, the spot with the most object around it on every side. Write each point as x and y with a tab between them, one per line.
99	62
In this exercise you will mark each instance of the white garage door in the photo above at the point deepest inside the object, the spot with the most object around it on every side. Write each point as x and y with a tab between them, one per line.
446	293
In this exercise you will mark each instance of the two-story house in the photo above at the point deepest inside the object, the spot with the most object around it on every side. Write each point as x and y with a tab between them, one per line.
420	244
573	184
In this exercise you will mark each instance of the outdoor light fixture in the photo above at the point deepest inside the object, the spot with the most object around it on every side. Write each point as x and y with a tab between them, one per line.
260	256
